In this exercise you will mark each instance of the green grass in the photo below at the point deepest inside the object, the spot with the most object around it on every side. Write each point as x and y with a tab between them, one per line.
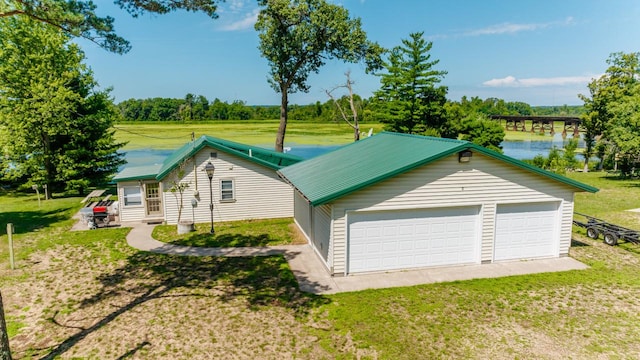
97	289
611	203
35	228
232	234
172	135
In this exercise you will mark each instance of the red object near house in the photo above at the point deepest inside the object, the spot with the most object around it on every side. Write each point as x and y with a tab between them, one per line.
99	209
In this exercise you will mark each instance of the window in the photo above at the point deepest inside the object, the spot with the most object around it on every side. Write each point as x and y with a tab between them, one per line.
226	190
132	196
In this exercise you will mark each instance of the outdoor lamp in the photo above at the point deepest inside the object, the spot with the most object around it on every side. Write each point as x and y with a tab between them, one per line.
209	169
464	156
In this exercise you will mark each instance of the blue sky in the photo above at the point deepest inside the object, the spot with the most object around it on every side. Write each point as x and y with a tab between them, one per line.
539	52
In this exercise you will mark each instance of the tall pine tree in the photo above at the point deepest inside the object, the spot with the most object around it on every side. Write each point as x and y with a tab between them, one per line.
409	100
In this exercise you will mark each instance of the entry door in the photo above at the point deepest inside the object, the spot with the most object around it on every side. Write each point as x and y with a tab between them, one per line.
154	201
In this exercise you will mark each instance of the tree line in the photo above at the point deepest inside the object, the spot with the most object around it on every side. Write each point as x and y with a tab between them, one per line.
199	108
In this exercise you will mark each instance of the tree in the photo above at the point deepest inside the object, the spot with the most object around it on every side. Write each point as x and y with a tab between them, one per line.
78	18
5	350
57	123
352	119
408	100
472	125
298	36
611	107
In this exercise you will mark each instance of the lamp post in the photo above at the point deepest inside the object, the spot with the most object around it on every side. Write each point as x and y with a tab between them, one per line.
209	169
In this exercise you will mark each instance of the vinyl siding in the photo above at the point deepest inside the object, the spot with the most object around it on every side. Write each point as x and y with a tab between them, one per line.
482	182
566	213
130	213
322	230
302	214
259	192
488	220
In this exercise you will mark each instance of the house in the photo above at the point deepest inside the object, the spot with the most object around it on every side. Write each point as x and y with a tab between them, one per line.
244	185
396	201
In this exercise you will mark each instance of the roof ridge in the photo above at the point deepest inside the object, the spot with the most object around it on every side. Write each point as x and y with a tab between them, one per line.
434	138
240	147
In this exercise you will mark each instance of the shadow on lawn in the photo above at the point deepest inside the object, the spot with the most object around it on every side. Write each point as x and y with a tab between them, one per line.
261	281
225	240
28	221
578	243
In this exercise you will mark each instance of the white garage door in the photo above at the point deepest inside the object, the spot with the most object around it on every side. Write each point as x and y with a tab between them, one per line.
392	240
526	231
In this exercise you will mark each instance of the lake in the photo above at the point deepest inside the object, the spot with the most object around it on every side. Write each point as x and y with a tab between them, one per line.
517	149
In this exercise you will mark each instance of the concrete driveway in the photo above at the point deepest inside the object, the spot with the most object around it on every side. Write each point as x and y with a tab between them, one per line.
313	277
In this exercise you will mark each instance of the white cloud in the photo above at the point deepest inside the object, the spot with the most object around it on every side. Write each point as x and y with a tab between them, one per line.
509	28
506	28
243	24
511	81
231	6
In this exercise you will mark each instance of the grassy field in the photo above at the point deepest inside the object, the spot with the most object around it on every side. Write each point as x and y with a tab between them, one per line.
87	295
172	135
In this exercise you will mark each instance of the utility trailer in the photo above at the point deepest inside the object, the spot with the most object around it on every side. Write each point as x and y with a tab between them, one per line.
611	233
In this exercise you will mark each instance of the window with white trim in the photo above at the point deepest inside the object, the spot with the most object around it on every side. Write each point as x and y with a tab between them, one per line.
227	191
132	195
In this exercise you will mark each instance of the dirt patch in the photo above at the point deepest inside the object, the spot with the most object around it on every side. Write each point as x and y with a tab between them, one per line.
298	237
157	307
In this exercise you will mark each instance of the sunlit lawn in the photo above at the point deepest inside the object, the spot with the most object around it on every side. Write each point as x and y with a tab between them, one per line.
88	295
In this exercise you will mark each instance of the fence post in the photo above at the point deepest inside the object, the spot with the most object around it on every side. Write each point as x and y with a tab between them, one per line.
10	236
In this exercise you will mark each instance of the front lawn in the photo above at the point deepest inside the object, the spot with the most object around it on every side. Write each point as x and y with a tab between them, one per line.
88	295
234	234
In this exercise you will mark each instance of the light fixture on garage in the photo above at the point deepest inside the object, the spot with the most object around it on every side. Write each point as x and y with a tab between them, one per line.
464	156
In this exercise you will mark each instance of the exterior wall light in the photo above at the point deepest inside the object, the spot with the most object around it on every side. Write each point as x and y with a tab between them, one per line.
464	156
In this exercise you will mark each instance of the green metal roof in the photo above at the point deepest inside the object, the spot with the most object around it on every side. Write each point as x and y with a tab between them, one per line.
143	172
269	158
352	167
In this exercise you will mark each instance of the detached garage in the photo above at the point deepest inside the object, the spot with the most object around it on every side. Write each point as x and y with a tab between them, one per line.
396	201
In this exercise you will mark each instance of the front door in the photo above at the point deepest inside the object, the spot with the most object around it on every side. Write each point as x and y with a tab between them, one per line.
154	200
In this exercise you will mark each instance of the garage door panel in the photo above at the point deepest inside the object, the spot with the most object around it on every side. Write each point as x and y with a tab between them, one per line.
526	231
412	239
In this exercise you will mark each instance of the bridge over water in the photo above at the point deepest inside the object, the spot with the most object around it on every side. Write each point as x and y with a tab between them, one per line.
541	124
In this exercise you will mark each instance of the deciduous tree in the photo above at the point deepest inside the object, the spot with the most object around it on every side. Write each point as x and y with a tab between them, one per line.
55	122
351	116
78	18
297	37
612	108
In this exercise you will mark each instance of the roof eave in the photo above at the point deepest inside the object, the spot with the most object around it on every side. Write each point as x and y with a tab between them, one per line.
487	152
207	142
133	178
534	169
385	176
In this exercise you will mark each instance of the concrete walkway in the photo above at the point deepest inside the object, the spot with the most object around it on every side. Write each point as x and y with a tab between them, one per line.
313	277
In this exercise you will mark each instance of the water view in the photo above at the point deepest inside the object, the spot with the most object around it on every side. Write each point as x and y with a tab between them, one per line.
517	149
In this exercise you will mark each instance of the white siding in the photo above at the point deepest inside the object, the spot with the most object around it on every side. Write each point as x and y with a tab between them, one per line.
322	231
302	214
445	183
130	213
488	215
259	192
